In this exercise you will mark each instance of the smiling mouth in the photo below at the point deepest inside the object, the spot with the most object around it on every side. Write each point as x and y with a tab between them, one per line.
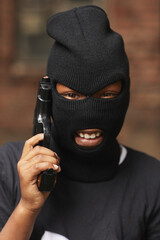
89	137
89	134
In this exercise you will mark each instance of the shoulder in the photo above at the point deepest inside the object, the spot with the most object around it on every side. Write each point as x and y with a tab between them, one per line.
142	175
142	166
9	181
142	159
9	156
11	150
13	146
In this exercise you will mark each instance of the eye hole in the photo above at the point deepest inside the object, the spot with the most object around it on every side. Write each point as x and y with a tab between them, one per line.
109	95
68	93
72	95
110	91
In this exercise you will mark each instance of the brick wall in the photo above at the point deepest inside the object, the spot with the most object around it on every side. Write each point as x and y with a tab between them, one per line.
7	26
138	22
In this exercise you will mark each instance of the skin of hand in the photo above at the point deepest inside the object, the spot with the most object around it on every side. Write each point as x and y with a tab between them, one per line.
33	161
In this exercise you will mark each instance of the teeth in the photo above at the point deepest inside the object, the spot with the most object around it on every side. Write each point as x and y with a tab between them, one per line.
93	135
89	136
86	136
81	135
98	134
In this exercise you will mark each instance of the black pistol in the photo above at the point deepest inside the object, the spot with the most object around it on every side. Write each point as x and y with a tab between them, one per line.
42	124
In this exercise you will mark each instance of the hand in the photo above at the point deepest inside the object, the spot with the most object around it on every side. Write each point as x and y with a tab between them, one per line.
33	161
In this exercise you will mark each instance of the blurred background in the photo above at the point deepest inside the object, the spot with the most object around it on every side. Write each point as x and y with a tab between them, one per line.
24	47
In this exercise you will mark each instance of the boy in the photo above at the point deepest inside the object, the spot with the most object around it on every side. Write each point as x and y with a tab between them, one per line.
105	190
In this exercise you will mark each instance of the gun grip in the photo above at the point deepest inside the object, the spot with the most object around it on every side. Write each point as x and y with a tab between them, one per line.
46	180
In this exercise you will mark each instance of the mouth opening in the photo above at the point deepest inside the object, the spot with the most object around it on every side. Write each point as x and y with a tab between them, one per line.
88	137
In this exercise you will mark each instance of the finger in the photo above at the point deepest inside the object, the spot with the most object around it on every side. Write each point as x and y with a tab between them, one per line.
31	142
56	168
41	158
38	150
56	156
42	166
24	166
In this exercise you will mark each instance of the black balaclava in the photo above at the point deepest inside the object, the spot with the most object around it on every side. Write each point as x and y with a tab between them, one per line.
87	55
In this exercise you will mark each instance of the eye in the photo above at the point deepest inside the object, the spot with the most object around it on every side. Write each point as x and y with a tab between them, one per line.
109	94
68	93
110	91
71	95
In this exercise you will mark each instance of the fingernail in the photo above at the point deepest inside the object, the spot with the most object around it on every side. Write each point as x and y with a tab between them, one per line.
55	166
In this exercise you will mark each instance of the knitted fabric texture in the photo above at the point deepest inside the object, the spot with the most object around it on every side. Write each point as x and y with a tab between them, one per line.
87	55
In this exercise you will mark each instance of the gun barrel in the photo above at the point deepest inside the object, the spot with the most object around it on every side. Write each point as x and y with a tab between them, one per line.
42	112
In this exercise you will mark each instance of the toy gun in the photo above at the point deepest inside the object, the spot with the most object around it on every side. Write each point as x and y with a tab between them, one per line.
42	124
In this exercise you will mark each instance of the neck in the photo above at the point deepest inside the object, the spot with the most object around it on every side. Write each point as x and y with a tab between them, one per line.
95	166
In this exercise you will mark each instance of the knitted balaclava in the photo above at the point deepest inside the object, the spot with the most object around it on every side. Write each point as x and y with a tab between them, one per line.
87	55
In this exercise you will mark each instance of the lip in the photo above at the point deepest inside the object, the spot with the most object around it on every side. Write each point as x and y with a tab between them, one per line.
88	143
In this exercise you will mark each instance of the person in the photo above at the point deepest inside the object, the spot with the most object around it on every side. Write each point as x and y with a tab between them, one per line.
104	190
